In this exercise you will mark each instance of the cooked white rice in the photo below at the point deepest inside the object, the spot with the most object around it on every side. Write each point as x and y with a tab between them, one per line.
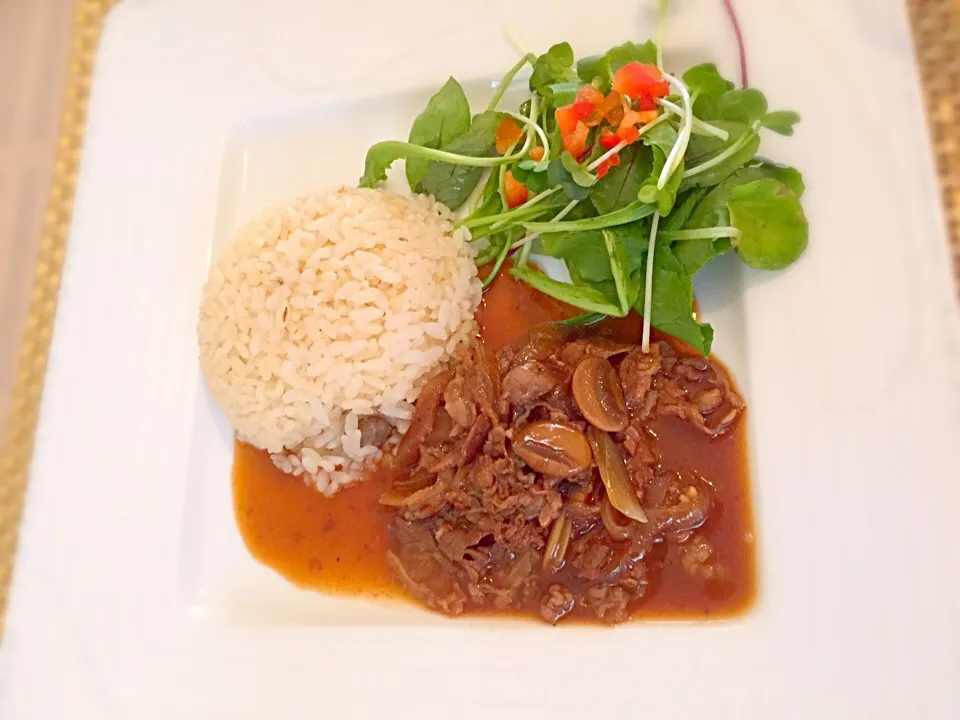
327	308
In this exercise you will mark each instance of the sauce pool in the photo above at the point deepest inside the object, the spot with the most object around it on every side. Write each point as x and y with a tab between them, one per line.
338	545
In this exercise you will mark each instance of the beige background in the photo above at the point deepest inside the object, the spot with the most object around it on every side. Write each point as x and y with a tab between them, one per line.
34	47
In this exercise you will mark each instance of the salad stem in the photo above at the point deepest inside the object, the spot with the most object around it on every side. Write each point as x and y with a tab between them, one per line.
501	256
526	242
508	78
730	151
704	128
704	234
648	285
501	219
621	145
680	147
532	125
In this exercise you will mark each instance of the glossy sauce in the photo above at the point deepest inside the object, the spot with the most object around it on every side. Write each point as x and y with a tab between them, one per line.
338	545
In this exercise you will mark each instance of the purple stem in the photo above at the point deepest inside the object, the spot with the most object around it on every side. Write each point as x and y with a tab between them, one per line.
732	14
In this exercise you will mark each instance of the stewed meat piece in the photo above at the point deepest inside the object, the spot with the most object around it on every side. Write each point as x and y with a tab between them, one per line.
531	477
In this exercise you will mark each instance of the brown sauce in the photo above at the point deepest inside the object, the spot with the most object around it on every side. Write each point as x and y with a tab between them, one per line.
338	545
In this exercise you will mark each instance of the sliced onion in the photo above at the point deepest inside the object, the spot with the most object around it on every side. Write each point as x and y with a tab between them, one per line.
609	514
557	543
613	472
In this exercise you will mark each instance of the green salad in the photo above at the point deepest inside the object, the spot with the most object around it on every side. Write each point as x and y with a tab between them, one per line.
634	177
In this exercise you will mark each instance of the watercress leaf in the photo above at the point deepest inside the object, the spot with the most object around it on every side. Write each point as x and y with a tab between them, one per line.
745	105
554	66
672	302
773	227
577	171
722	170
564	93
533	177
694	254
661	140
706	80
704	147
634	238
626	287
490	203
446	116
679	218
452	184
781	121
619	187
599	69
791	177
620	55
537	166
710	211
596	69
585	249
581	296
557	174
380	157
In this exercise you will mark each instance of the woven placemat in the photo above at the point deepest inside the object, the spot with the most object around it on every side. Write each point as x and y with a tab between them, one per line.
936	28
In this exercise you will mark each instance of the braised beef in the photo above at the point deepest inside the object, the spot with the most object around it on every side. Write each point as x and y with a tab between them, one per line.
498	499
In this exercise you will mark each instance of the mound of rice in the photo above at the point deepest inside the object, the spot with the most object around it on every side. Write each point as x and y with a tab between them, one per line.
330	307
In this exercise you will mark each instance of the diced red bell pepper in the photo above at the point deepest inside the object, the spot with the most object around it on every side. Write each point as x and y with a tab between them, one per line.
608	140
628	133
576	142
646	102
507	134
583	109
515	190
587	101
566	119
612	108
536	153
636	79
647	116
604	167
588	93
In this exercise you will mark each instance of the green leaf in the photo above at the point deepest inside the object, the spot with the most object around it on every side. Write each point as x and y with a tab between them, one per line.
535	179
694	254
709	212
661	140
679	218
704	147
585	251
620	55
599	69
452	184
579	173
722	170
745	105
773	227
620	186
554	66
631	212
446	116
564	93
557	174
672	302
791	177
626	286
706	80
781	121
581	296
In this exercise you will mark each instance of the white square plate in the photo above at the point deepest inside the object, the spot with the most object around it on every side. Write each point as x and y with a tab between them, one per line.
133	596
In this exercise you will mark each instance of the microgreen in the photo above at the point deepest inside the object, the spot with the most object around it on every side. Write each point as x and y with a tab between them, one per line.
633	216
